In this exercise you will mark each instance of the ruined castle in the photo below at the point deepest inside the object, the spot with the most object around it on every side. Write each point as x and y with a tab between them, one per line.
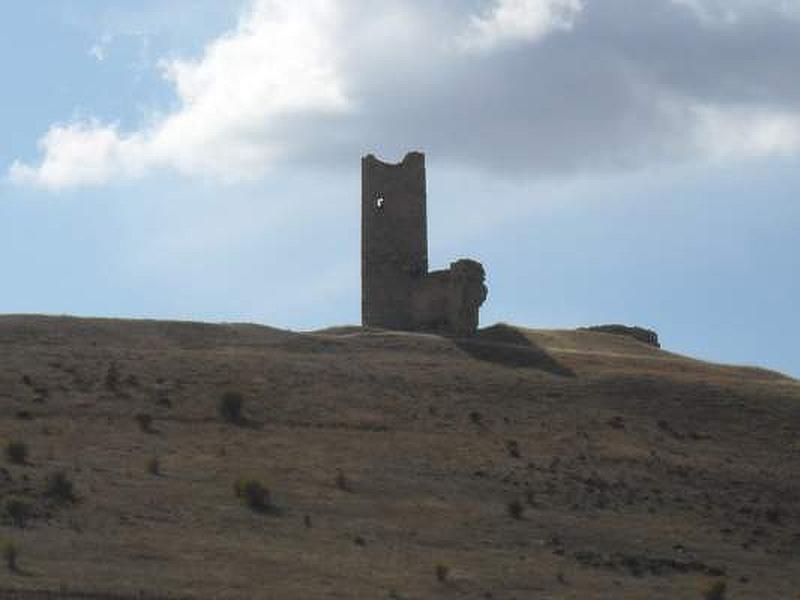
398	291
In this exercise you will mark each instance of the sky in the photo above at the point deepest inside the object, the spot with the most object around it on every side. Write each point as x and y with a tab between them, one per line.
607	161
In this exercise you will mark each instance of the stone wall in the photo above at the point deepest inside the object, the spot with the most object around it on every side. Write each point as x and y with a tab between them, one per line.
646	336
398	292
394	239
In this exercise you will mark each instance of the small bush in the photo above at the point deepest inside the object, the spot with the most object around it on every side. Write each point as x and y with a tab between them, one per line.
18	511
342	482
112	376
716	591
10	555
59	487
230	407
515	509
253	493
145	422
442	573
154	466
513	448
17	452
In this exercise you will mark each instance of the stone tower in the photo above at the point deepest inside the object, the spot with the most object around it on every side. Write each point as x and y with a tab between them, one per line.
394	238
398	292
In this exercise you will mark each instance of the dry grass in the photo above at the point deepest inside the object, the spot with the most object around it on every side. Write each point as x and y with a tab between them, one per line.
644	474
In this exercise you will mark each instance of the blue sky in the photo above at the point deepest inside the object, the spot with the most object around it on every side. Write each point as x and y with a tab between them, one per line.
200	160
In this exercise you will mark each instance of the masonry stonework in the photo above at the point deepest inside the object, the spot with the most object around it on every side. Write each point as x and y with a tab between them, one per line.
398	292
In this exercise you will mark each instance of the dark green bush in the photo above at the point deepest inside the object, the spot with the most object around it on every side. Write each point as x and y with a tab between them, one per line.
17	452
253	493
10	555
18	511
342	482
716	591
145	422
230	407
513	448
59	487
112	376
442	573
515	509
154	466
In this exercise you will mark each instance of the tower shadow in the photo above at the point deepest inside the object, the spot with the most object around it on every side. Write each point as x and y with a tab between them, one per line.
504	345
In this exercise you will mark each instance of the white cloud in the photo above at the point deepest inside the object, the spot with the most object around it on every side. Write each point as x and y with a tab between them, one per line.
732	12
281	60
98	52
324	80
518	21
83	154
725	133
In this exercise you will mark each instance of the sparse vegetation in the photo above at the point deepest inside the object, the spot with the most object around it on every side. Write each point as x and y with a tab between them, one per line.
515	509
342	482
59	487
513	448
716	591
18	511
439	487
230	407
154	466
112	376
10	555
17	452
145	422
254	494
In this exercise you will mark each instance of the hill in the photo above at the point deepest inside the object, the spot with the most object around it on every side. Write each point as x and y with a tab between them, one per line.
520	464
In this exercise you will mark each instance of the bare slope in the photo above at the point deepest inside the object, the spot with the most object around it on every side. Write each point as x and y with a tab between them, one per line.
640	473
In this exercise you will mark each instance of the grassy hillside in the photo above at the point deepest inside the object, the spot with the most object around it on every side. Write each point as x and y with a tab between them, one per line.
522	464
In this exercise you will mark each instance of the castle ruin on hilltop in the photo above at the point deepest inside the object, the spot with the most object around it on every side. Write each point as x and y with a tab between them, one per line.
398	291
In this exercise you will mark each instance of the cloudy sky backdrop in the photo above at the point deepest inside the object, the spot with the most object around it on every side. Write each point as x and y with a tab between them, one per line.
607	160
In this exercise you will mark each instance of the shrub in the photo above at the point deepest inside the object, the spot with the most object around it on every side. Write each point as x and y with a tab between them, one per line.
342	482
442	573
716	591
10	555
59	487
230	407
145	422
17	452
18	511
253	493
515	509
112	376
513	448
154	466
